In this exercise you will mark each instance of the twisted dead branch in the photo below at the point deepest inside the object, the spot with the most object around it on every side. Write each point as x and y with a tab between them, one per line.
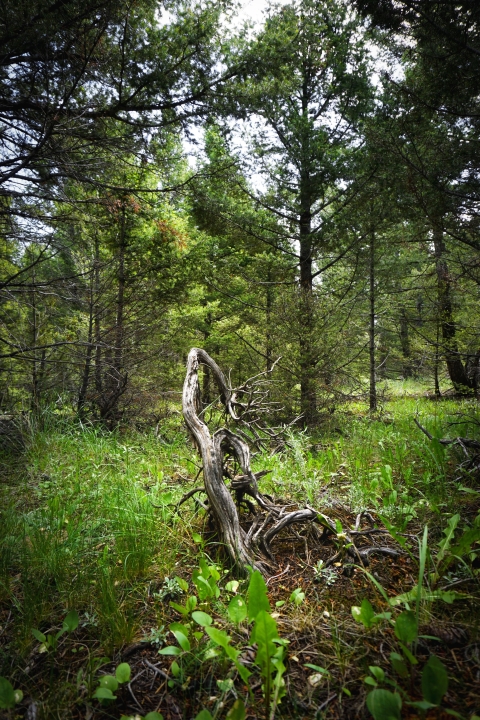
266	517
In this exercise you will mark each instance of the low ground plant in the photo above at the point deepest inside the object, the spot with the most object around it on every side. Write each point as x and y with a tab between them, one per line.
88	520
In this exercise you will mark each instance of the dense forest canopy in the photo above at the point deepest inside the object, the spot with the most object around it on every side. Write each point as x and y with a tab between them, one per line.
304	188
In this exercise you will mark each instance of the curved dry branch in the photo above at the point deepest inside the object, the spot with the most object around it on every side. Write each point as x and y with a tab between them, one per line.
221	503
269	518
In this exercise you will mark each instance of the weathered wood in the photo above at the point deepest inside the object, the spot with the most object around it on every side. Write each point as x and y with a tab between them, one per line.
251	548
221	502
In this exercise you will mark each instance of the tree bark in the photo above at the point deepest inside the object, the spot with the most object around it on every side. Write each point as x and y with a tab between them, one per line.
407	370
82	393
456	370
308	395
371	343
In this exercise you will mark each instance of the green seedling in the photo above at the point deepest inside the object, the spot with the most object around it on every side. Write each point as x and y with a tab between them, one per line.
366	615
50	642
271	649
109	684
8	696
297	597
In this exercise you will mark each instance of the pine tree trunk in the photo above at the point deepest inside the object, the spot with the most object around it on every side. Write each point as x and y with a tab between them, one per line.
456	370
373	382
308	395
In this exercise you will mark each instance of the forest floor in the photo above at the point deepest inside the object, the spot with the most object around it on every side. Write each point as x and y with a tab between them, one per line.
88	524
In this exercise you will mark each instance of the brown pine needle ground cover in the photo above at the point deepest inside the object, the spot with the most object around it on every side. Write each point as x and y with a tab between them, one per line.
79	530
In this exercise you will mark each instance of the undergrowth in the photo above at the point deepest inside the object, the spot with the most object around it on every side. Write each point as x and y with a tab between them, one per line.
88	524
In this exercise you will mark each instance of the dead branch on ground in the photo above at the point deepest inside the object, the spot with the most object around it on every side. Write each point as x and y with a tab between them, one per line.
248	537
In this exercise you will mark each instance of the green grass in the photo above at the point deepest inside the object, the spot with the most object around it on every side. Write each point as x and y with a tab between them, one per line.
79	530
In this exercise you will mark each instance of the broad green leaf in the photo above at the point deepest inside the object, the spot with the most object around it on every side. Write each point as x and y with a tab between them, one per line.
202	618
384	705
434	680
191	603
103	693
214	572
399	665
219	637
204	715
179	608
364	613
225	685
237	711
108	681
377	673
204	568
18	695
237	609
7	694
297	596
197	538
257	596
71	621
153	716
214	587
179	626
182	640
123	673
263	633
39	635
204	588
232	586
406	628
170	650
183	584
175	669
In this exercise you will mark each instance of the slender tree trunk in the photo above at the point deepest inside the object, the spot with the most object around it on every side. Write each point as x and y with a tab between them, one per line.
268	320
82	394
308	395
206	390
35	398
97	326
371	344
118	360
438	394
407	370
456	369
